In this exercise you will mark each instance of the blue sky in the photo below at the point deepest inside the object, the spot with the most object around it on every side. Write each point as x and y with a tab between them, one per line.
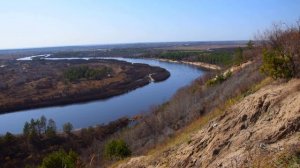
39	23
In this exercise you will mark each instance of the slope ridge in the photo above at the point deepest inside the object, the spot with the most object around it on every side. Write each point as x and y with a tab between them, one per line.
262	124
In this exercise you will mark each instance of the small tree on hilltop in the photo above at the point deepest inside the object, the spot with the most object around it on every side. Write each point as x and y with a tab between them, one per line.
281	52
275	65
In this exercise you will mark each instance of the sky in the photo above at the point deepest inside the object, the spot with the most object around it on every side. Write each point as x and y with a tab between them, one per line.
45	23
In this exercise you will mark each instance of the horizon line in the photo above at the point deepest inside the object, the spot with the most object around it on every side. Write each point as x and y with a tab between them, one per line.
103	44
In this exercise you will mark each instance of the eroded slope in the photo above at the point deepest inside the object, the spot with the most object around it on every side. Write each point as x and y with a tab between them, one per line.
262	124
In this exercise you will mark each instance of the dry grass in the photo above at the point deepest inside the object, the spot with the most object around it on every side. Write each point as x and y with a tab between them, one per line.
189	110
184	135
181	136
289	158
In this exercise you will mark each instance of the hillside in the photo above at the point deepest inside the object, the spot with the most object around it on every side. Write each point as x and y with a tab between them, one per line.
262	130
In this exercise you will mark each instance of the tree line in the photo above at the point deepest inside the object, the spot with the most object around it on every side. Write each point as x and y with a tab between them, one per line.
41	126
84	72
222	57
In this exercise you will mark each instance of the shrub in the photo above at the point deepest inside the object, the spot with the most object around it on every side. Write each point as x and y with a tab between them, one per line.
276	66
9	138
60	159
185	106
67	127
86	136
289	161
228	74
281	52
116	149
219	79
216	80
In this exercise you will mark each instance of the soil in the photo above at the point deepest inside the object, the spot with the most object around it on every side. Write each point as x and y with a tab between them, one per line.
263	124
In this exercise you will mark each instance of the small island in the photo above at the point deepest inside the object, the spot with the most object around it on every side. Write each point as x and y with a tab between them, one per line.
42	83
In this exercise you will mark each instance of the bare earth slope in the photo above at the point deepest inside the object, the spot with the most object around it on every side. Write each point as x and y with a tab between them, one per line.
262	124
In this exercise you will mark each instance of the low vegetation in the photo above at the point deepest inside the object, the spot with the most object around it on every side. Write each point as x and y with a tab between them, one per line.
198	103
187	105
67	127
69	81
116	149
288	158
60	159
281	51
219	79
84	72
42	144
280	54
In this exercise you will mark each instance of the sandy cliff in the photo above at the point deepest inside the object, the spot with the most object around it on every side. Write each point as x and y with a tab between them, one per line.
262	125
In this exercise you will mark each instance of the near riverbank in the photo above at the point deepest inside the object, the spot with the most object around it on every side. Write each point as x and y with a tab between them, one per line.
198	64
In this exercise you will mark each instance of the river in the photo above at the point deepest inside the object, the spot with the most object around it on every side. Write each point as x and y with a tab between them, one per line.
97	112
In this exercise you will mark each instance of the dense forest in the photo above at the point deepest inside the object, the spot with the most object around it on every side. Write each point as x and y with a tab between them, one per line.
84	72
223	57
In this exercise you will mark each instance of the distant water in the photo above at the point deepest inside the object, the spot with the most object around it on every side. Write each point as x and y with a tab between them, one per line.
103	111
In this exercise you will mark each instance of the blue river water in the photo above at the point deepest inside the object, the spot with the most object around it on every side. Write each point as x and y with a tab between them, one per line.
97	112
